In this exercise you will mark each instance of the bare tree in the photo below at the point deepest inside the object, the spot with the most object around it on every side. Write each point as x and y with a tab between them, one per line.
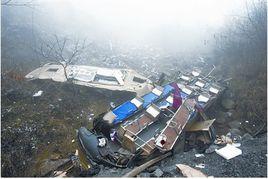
29	3
62	51
241	52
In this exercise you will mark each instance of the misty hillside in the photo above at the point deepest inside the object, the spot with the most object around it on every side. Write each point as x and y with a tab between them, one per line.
149	37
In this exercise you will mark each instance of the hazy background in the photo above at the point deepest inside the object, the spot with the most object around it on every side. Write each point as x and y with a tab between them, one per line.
173	25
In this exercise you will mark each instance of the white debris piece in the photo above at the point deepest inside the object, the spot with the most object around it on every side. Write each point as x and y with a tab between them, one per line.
214	90
229	151
39	93
202	98
236	144
199	155
195	73
136	102
185	78
200	84
102	142
187	91
201	165
157	92
153	111
170	99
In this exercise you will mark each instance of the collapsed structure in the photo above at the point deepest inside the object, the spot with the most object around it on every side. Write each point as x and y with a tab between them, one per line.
154	123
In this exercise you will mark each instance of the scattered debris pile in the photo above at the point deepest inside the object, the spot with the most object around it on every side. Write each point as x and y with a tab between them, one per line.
170	118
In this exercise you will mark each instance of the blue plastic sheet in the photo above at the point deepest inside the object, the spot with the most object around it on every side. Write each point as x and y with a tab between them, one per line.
148	99
127	109
164	104
167	90
123	111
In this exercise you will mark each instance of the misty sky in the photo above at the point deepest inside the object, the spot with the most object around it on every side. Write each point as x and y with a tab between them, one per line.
183	24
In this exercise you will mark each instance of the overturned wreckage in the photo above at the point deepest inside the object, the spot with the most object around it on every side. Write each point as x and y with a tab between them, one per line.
154	123
96	77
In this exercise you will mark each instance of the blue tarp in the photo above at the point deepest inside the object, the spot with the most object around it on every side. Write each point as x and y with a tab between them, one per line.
148	99
164	104
151	97
127	109
167	90
123	111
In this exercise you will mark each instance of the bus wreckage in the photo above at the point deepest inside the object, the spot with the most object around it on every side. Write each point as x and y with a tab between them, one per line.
169	118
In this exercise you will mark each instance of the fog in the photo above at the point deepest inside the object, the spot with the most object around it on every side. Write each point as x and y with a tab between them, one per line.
174	25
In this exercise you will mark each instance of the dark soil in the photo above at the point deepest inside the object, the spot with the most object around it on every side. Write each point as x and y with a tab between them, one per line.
40	128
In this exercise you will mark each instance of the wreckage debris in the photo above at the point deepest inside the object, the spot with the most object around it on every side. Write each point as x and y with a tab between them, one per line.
201	165
152	123
229	152
142	167
39	93
96	77
188	171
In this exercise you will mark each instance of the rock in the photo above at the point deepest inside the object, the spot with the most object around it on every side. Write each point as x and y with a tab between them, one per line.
54	156
247	136
221	118
144	175
211	149
152	169
50	165
112	170
234	124
235	131
228	104
158	172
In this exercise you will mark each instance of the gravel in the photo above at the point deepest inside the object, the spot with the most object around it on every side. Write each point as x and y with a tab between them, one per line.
252	163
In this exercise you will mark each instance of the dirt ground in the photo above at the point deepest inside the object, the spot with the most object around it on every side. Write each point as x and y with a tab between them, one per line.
37	128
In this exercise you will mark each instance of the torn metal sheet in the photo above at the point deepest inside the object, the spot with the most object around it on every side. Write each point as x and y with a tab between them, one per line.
174	127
